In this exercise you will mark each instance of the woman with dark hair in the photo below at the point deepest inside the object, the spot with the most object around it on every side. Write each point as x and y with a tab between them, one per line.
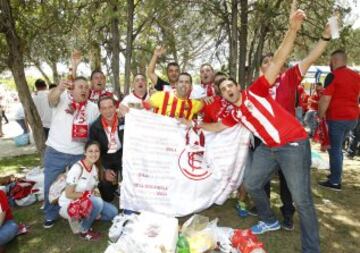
84	177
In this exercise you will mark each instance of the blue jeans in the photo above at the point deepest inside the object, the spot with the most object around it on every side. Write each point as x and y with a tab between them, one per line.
8	231
23	125
106	211
299	114
310	121
338	129
294	160
55	163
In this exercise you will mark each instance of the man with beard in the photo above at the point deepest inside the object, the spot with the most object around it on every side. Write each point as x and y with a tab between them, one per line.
284	92
97	79
177	104
340	104
72	115
285	142
139	93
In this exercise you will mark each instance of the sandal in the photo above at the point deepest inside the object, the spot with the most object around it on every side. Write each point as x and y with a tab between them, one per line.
22	229
90	236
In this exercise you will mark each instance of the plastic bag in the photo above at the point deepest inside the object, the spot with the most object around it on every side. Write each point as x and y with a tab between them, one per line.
247	242
56	188
37	175
318	162
121	224
200	233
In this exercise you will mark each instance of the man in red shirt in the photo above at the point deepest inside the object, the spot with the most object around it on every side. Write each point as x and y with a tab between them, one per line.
313	104
339	103
285	142
285	91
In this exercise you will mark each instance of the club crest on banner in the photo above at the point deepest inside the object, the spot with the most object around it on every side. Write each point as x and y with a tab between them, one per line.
191	158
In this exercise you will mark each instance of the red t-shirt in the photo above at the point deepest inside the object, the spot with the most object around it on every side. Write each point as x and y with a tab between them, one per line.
285	88
303	101
344	90
217	110
4	206
264	117
314	101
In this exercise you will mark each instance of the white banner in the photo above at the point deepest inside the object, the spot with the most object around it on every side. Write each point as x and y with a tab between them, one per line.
171	170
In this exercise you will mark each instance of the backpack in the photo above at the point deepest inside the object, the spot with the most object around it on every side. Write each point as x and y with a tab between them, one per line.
23	193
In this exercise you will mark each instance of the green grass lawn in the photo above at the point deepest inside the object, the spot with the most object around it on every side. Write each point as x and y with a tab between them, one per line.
338	215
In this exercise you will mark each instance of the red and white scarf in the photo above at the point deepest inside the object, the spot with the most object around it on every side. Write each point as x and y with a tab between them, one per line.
210	90
94	95
80	127
111	132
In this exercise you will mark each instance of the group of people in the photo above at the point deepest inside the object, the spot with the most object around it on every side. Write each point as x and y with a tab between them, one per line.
85	133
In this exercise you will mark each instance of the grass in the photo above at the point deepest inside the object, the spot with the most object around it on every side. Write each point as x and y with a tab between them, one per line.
338	216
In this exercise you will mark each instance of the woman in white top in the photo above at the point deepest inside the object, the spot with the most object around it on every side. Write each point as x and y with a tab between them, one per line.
84	176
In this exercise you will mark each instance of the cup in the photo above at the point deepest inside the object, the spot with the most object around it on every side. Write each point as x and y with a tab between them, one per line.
334	27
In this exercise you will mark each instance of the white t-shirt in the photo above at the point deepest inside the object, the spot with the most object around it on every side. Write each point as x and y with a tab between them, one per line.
19	112
41	102
60	137
131	98
82	179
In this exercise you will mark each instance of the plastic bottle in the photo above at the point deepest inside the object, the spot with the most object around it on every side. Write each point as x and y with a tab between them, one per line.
70	77
182	245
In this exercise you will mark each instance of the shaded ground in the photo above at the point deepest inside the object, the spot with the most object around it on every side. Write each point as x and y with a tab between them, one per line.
338	215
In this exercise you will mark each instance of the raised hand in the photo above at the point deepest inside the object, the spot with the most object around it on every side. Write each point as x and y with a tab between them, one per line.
296	19
75	58
297	16
159	51
327	31
65	84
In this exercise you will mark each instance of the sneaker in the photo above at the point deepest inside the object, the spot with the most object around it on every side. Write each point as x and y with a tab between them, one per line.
288	224
263	227
48	223
90	236
128	212
253	212
241	209
330	186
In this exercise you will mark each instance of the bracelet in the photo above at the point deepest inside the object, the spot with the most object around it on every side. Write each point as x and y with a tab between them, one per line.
325	39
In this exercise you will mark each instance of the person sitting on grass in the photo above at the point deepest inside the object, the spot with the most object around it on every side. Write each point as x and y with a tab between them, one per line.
8	227
84	176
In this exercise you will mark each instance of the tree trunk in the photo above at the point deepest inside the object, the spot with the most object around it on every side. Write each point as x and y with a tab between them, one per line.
38	66
129	44
115	45
233	39
243	42
54	69
16	64
95	56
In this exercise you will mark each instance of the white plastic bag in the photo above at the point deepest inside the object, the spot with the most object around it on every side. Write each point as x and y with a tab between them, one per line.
37	175
121	224
200	233
56	188
26	201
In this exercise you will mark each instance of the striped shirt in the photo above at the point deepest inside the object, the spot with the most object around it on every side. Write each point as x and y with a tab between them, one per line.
264	117
167	104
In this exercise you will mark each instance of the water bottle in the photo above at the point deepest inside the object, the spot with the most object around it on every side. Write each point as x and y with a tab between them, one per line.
75	225
182	245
